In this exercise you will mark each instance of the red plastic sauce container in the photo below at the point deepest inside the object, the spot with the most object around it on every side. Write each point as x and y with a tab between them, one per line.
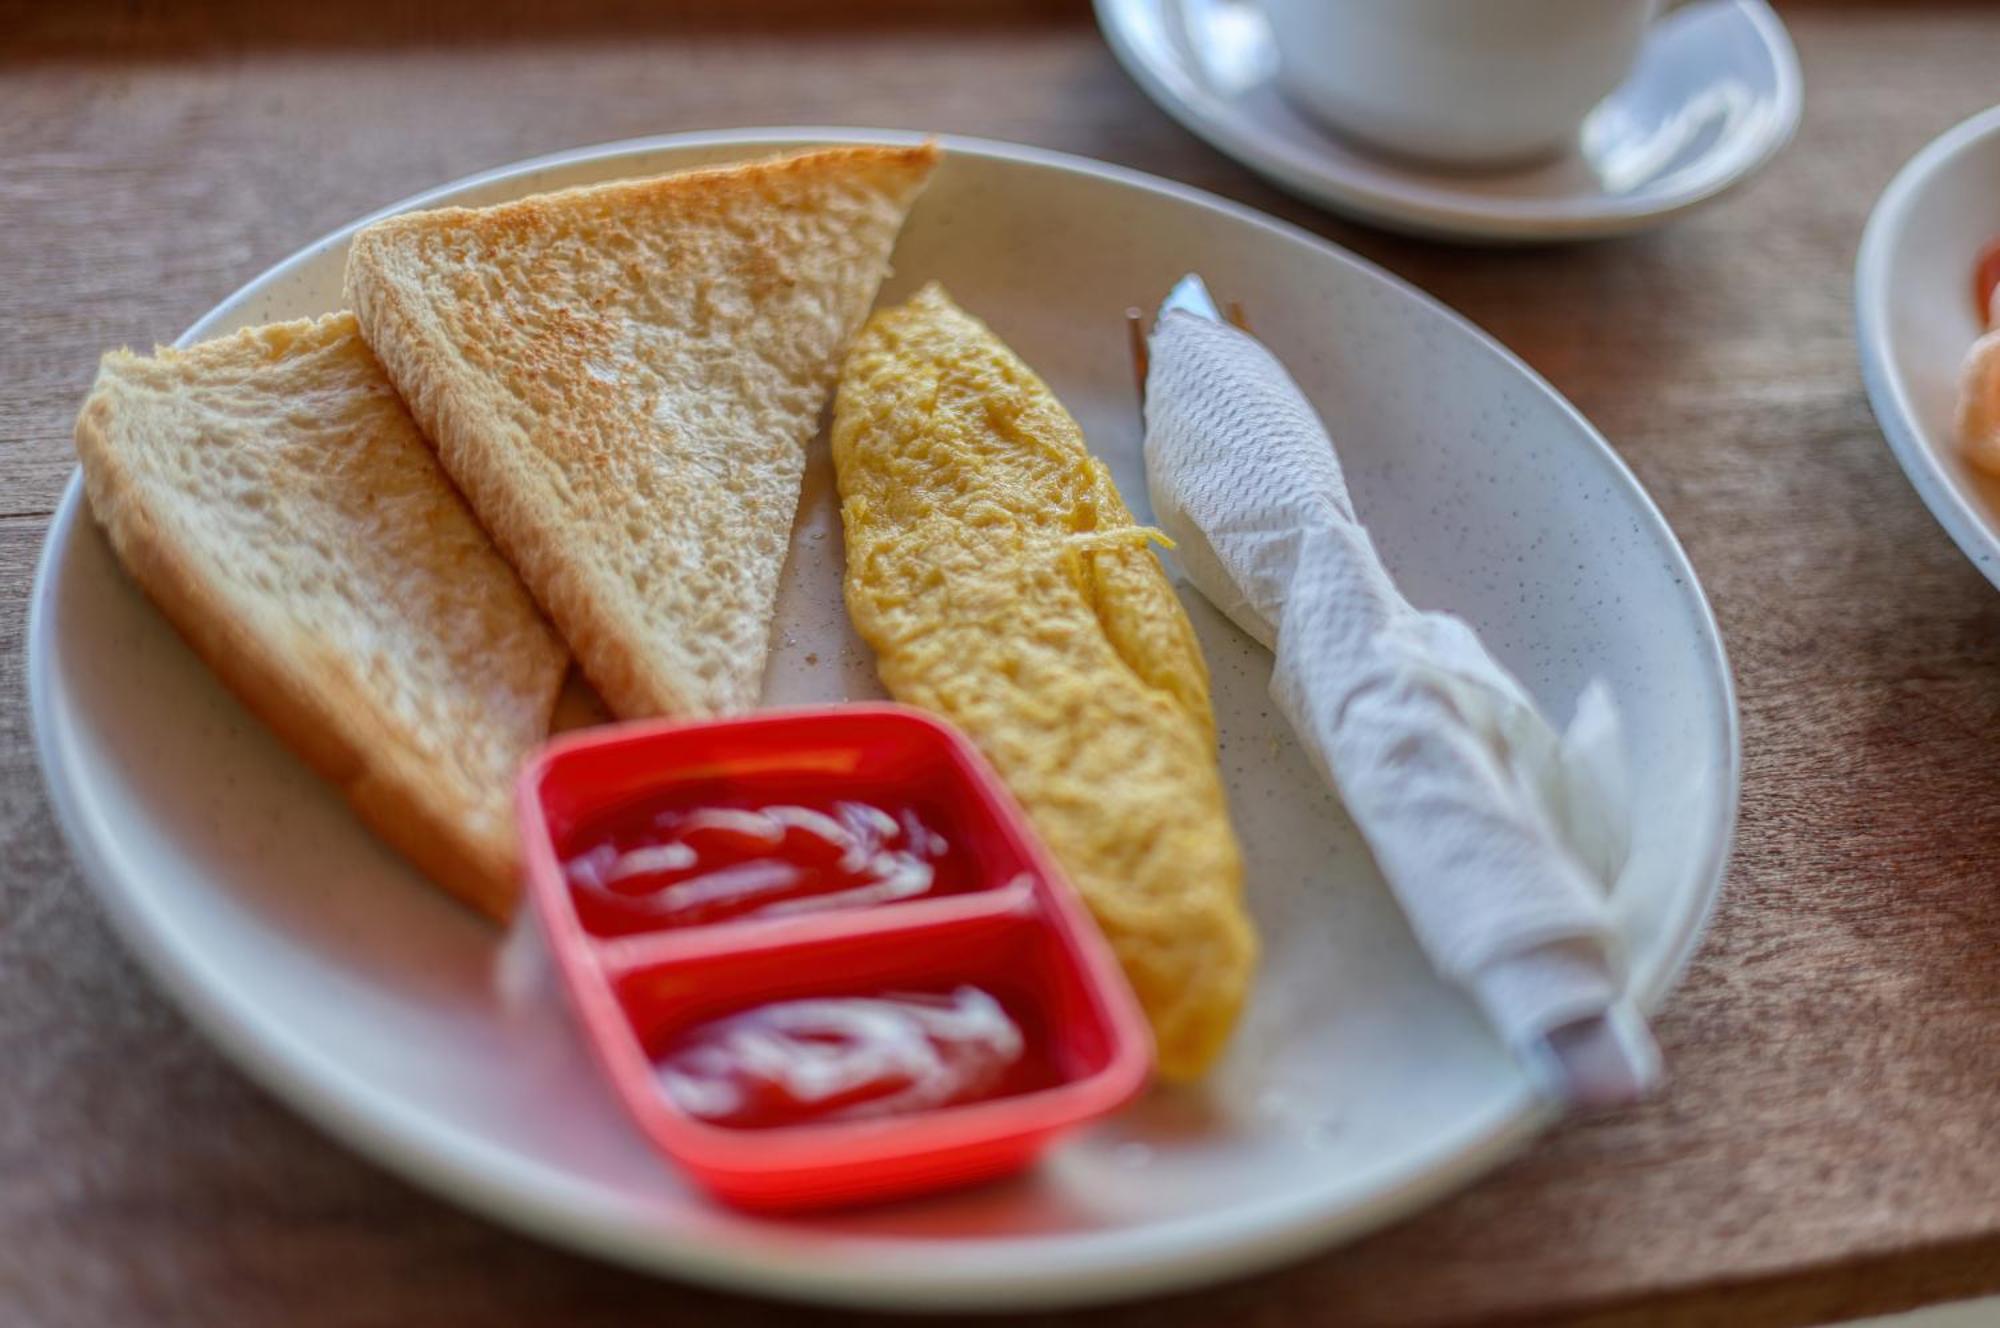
1009	926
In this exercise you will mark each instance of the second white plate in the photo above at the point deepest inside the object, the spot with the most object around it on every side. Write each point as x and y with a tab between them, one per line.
1358	1086
1914	321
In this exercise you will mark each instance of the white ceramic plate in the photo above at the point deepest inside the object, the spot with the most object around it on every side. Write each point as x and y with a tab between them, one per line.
1914	321
1714	95
1358	1086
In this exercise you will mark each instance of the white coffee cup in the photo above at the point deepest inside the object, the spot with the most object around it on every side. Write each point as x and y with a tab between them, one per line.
1459	82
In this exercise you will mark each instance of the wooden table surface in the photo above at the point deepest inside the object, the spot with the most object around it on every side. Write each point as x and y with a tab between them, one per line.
1829	1142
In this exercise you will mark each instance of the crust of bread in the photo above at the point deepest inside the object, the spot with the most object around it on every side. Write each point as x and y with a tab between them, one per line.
139	426
623	380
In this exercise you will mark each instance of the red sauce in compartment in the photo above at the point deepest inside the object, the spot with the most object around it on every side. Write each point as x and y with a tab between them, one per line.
822	1059
658	865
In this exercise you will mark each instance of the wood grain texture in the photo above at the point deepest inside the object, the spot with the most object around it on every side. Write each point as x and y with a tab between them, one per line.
1826	1146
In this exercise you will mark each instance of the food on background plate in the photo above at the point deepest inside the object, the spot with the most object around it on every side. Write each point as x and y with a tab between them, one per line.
1979	379
1986	281
623	380
1004	585
271	494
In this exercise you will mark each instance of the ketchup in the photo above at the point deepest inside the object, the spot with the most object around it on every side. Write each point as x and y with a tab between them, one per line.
680	864
1985	276
840	1058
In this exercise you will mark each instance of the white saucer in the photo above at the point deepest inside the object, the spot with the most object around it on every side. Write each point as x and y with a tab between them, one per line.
1715	94
1358	1087
1914	320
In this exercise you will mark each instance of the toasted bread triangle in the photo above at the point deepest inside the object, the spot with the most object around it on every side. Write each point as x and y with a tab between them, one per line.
624	379
273	497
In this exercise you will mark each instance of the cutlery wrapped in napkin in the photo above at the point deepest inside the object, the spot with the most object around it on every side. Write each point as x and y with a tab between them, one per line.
1498	835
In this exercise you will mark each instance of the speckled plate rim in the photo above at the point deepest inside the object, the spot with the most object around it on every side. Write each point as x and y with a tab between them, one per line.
1426	210
1975	532
1015	1273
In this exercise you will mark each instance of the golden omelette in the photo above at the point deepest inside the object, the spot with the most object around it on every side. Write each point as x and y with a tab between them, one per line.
1004	585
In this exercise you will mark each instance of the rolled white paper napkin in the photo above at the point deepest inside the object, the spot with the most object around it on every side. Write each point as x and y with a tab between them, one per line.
1498	835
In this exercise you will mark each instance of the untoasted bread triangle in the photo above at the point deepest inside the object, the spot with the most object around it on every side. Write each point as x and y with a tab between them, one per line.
623	379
